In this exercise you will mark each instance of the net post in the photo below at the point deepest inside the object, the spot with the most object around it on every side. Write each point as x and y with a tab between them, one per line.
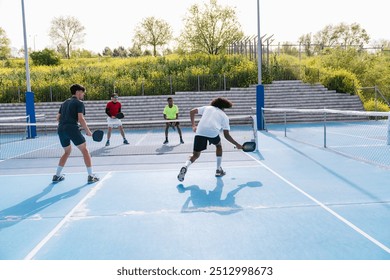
285	124
324	129
388	130
30	111
255	136
259	106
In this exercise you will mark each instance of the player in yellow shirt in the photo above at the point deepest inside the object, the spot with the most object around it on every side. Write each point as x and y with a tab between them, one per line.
171	112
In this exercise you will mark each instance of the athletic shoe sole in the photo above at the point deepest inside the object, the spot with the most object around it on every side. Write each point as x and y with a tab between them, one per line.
182	173
220	174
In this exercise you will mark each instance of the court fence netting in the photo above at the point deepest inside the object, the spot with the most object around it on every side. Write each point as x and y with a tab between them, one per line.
361	135
144	137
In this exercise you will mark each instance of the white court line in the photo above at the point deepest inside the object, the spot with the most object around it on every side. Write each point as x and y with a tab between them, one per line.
46	239
326	208
357	136
142	138
32	151
356	146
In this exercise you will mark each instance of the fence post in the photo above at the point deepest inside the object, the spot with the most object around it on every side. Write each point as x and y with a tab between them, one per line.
170	84
198	83
51	94
376	98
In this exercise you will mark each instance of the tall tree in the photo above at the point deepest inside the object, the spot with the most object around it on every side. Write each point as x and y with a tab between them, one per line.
306	42
381	44
341	35
210	29
152	32
135	50
67	31
107	52
119	52
5	50
344	35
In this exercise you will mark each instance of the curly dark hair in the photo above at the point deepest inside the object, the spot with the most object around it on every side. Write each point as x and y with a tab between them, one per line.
75	88
221	103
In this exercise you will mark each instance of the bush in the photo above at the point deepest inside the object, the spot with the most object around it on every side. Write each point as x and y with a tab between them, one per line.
45	57
340	80
378	105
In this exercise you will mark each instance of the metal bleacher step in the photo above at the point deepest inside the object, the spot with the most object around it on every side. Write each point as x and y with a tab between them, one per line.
279	94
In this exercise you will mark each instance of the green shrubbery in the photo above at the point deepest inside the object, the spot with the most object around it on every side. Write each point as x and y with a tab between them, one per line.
340	80
375	105
128	76
45	57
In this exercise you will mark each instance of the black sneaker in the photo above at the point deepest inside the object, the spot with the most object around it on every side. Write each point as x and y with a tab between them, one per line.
181	141
125	142
219	172
165	142
108	143
59	178
182	173
92	179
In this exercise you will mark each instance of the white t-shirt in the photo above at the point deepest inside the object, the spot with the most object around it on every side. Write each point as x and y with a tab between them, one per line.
212	122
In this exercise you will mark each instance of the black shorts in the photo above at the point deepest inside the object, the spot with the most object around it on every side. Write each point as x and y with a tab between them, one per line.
69	133
173	123
200	142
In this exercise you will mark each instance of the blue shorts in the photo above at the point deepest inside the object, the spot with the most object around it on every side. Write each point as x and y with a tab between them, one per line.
200	142
70	132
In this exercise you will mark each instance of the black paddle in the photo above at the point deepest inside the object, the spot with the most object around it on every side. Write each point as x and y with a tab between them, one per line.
120	115
249	146
97	135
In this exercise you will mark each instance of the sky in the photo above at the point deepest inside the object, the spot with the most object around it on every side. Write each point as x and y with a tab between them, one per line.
112	23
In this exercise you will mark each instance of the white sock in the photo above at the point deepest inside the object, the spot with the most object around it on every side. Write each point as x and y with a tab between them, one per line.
188	163
219	161
89	170
59	170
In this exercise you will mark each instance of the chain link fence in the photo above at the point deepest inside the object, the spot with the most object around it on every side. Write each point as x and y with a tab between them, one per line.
165	86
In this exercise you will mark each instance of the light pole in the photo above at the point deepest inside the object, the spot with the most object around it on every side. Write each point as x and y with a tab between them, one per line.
259	46
26	50
30	106
34	36
259	87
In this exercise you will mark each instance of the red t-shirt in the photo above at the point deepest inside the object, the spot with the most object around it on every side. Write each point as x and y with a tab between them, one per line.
113	108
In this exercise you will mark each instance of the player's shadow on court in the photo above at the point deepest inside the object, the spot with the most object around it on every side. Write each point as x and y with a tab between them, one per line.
106	151
28	208
166	149
212	201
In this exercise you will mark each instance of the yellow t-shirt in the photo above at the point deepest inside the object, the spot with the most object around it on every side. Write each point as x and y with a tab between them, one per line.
171	112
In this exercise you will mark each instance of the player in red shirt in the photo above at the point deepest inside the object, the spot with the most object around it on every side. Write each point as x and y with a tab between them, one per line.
112	109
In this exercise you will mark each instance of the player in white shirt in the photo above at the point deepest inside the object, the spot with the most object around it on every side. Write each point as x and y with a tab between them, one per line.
213	121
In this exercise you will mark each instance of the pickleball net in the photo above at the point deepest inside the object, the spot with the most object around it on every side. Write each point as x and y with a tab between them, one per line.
361	135
144	137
